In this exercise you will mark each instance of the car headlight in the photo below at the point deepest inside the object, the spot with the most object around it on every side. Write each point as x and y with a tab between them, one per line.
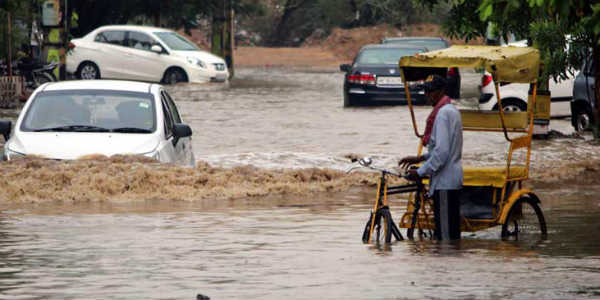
196	61
10	154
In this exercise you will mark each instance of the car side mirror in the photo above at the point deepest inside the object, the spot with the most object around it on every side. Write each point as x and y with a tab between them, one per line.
345	68
5	128
181	131
157	49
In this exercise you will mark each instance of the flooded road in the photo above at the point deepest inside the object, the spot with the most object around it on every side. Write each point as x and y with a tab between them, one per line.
286	248
288	226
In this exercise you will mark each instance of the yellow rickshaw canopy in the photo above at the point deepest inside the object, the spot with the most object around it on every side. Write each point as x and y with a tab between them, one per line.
509	64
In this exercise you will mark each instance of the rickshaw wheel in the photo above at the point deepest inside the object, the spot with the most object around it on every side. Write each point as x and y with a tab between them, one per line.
525	220
382	231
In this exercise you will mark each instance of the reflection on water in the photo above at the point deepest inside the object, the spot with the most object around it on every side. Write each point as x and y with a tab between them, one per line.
269	213
282	248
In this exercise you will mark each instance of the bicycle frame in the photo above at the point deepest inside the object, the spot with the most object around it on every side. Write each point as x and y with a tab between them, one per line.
381	203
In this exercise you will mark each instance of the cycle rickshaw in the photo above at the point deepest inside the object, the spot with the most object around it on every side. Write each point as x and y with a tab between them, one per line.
491	196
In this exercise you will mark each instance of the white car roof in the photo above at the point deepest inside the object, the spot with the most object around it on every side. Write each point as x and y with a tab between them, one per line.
116	85
147	29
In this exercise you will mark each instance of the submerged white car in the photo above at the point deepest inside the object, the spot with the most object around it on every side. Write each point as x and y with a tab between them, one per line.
70	119
142	53
515	96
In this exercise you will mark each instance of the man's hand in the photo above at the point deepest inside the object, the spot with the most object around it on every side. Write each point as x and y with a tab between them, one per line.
409	160
412	175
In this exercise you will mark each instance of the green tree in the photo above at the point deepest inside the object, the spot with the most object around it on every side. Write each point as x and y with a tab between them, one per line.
546	24
21	14
169	13
551	22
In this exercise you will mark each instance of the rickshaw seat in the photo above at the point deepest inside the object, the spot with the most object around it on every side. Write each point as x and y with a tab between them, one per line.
491	176
479	186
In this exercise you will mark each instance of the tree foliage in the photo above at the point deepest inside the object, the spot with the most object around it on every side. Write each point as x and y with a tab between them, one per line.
172	13
276	22
21	16
550	25
291	21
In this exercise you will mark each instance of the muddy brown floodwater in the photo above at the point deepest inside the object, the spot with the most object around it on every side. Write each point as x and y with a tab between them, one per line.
269	212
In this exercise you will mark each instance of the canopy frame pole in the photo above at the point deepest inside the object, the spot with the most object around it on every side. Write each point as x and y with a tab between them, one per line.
500	108
531	125
410	106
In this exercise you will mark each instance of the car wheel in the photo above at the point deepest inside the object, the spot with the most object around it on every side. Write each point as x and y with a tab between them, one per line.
348	101
174	75
88	70
583	119
511	105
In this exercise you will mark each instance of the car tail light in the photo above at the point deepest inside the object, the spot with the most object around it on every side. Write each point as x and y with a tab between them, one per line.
452	72
71	45
368	79
485	80
353	78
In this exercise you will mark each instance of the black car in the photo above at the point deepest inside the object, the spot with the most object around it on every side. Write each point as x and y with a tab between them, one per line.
583	100
374	77
432	44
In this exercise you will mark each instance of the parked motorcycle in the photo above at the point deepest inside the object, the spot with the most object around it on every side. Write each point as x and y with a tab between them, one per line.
35	73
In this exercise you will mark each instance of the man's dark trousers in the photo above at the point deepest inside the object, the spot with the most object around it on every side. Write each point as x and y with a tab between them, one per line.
446	207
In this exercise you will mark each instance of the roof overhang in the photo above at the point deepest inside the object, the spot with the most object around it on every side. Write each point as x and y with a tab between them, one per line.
508	64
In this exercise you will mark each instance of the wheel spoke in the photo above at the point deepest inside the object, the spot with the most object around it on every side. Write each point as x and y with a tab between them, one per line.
383	230
525	221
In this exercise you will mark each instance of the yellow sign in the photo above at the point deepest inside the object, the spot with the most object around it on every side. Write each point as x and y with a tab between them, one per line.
54	36
54	55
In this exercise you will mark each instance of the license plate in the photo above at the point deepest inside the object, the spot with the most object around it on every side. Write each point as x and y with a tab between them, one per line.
388	80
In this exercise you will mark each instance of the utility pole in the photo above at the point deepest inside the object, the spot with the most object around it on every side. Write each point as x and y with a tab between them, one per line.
9	60
65	39
231	44
222	39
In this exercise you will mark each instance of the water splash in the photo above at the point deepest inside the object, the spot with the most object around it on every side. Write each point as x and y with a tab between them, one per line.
130	178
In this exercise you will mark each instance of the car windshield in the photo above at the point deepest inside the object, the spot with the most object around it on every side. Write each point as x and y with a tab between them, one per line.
431	45
175	41
91	111
384	56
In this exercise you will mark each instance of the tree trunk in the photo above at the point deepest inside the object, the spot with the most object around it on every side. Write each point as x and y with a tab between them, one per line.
230	42
596	110
218	29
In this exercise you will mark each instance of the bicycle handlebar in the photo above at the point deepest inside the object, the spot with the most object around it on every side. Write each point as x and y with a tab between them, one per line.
365	162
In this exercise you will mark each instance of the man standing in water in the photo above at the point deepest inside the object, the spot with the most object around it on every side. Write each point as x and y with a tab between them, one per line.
443	163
